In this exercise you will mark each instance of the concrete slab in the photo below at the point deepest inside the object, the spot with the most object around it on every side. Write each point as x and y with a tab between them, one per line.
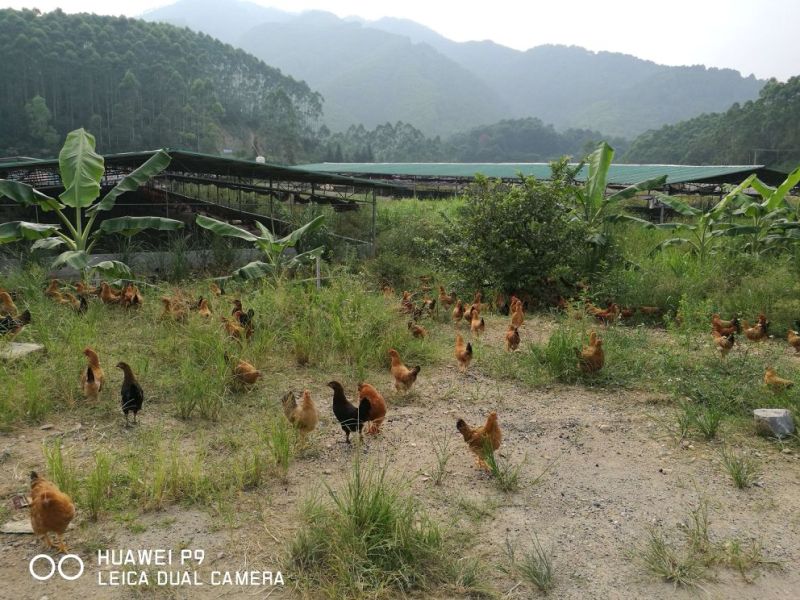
17	350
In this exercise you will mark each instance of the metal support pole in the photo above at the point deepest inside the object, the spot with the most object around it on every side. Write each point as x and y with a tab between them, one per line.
374	215
319	279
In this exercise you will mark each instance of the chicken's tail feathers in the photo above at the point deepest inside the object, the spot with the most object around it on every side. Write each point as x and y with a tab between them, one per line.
364	408
89	375
25	317
416	370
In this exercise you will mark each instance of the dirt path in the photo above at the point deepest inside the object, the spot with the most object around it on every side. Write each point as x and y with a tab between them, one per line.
613	472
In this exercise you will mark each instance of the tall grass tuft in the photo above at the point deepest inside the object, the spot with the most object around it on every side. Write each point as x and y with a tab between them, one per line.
62	473
98	485
742	468
534	564
280	438
367	536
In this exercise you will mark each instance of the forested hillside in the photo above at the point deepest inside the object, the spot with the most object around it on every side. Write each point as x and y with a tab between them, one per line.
511	140
763	131
138	85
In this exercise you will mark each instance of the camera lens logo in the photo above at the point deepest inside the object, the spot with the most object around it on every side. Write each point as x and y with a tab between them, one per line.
55	567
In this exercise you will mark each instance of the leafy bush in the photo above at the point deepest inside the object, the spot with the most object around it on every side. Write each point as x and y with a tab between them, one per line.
513	237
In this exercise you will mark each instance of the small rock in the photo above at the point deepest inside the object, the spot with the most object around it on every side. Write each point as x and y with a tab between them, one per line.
326	471
5	455
46	427
605	427
774	421
664	471
785	451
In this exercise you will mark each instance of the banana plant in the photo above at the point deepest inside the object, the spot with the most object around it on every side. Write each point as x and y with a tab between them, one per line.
81	171
704	234
771	222
276	263
593	207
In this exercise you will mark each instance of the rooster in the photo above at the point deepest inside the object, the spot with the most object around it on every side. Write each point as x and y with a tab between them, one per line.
350	418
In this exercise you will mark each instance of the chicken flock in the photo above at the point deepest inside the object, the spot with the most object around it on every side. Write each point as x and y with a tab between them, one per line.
51	510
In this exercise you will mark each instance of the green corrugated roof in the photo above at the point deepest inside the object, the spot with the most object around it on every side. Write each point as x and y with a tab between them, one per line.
618	174
209	163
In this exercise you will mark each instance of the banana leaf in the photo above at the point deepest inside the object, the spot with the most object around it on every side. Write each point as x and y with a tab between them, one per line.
15	231
77	259
23	194
129	226
113	268
153	166
81	169
225	229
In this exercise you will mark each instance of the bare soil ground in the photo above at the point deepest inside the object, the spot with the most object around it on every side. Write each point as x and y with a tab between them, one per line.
612	470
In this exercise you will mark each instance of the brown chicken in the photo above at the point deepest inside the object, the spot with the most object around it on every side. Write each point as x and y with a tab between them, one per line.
404	377
418	331
233	328
591	357
7	306
203	309
173	310
78	304
215	289
303	416
463	353
108	295
92	377
13	325
388	291
131	297
51	511
517	314
757	332
725	327
444	300
52	288
649	310
793	337
377	406
512	338
775	383
483	441
458	313
724	343
243	372
406	303
85	290
477	324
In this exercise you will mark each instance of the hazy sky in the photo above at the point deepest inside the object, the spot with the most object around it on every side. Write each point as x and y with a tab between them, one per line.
752	36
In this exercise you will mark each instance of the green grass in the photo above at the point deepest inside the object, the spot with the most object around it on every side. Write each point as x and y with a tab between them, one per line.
690	563
369	537
534	564
741	467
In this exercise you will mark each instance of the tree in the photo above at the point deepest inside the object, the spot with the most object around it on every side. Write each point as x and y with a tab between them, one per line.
39	120
81	171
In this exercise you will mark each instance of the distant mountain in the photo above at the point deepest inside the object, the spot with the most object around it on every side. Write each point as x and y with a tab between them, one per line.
225	20
390	69
369	77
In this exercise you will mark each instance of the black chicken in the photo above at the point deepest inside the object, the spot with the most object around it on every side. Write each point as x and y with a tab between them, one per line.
9	324
351	419
132	395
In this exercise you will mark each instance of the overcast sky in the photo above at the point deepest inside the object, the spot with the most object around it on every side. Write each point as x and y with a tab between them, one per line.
752	36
